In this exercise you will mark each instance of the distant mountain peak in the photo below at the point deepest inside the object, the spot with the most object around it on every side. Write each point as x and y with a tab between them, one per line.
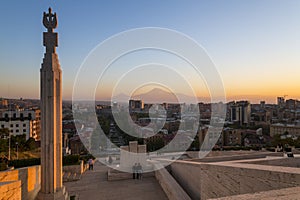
156	95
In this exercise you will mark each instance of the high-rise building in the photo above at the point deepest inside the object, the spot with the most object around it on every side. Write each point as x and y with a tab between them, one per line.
136	105
262	104
240	112
280	102
291	104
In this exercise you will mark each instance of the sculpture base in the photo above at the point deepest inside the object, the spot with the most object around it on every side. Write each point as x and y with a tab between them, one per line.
62	194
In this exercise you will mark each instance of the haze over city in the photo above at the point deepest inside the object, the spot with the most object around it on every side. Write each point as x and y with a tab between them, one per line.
255	45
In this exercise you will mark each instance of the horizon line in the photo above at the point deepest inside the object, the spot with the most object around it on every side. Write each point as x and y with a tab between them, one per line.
150	102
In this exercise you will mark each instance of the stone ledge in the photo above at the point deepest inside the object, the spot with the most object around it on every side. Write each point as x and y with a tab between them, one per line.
221	179
170	186
287	194
29	178
10	190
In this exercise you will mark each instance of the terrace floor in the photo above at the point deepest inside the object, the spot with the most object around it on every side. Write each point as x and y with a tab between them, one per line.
94	185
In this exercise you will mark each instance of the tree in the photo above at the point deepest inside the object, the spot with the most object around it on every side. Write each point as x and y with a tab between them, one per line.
276	141
4	133
297	143
3	145
20	139
30	144
195	144
104	123
155	145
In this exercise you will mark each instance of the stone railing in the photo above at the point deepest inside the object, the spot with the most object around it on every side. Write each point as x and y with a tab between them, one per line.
23	183
74	172
10	190
215	180
286	193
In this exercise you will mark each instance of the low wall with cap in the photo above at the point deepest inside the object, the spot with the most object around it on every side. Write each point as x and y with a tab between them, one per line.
23	183
221	179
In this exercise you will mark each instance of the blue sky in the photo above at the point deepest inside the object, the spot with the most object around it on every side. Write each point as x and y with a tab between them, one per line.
254	44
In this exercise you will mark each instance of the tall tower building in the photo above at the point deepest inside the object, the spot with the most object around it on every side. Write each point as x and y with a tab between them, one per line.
280	102
240	112
51	115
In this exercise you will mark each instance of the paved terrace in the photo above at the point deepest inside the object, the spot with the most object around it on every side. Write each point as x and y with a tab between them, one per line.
94	185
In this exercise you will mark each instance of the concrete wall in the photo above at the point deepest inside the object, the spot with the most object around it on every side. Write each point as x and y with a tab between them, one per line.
29	178
221	156
171	188
287	194
188	176
286	162
213	180
78	169
10	190
132	154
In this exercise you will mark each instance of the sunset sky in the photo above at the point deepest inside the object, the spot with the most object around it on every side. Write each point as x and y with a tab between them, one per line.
254	44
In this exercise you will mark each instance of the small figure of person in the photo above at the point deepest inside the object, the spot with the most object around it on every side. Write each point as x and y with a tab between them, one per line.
139	171
91	164
110	160
134	171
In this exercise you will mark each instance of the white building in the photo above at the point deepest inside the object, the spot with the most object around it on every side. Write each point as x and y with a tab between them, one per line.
21	122
281	129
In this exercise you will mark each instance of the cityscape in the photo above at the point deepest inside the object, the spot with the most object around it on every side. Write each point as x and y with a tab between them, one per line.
121	100
246	125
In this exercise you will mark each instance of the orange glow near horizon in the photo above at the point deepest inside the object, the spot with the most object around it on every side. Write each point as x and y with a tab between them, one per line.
253	93
253	97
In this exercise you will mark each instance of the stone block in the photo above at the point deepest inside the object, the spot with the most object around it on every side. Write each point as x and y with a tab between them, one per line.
125	148
133	146
142	148
10	190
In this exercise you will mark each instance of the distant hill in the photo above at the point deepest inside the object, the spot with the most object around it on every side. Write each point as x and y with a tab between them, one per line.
156	95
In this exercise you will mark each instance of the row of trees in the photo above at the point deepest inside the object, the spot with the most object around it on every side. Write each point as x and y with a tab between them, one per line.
15	141
285	141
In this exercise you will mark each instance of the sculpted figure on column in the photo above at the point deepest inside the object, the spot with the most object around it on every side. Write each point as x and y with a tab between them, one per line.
50	20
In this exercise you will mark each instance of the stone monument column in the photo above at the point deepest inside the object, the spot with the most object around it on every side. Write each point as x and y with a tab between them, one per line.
51	115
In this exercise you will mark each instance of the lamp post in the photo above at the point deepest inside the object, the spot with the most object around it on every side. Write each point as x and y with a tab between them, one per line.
17	150
9	138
